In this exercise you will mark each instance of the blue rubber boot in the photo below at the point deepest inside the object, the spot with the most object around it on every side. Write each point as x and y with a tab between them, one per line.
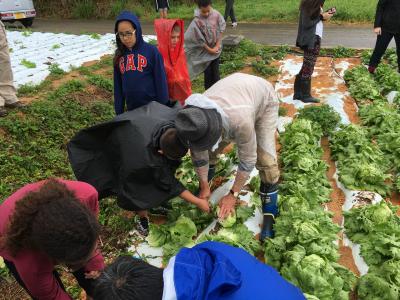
269	199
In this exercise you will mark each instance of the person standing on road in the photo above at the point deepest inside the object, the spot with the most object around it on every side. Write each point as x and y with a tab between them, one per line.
49	223
170	44
230	12
309	38
139	74
386	26
162	6
203	43
243	109
8	94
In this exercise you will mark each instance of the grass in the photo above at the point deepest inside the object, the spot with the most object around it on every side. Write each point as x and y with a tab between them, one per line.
246	10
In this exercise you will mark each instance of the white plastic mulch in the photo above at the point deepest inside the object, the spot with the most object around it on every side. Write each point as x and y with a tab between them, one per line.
45	49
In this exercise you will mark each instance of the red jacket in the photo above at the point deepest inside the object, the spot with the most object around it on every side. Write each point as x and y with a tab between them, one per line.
34	268
179	85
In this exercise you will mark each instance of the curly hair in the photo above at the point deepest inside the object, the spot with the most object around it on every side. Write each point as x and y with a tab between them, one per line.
129	278
52	220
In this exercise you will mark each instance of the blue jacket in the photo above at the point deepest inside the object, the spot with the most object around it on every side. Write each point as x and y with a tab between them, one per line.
212	270
139	75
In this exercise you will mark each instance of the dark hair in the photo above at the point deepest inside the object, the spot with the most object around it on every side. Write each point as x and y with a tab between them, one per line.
53	221
203	3
119	52
171	146
312	7
129	279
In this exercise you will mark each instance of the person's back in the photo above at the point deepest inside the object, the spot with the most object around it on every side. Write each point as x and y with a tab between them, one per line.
242	96
139	74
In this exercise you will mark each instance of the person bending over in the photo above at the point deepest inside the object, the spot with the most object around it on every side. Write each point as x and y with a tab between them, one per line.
48	223
135	157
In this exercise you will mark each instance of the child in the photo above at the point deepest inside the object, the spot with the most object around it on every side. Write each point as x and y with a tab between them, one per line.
49	223
139	75
162	6
170	45
203	43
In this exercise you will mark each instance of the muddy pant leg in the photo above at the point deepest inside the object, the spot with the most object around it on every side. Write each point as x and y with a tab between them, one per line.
7	89
267	163
382	42
310	59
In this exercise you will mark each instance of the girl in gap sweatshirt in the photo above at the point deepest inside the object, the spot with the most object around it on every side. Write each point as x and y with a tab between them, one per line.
139	75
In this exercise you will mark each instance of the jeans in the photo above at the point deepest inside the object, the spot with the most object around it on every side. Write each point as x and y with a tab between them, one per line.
382	42
229	11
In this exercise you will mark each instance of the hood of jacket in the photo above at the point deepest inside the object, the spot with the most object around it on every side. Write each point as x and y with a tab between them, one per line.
128	16
163	29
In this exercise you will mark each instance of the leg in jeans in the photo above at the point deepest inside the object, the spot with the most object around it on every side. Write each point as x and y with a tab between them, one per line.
382	42
211	74
14	272
229	11
86	284
397	39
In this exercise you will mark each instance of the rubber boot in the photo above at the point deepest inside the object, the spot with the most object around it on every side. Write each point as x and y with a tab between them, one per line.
211	172
306	91
269	199
297	88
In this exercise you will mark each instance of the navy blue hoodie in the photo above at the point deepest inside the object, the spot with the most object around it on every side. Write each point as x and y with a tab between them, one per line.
139	75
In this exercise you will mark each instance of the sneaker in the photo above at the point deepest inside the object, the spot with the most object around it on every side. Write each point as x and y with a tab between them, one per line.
3	112
17	104
371	69
143	226
234	24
